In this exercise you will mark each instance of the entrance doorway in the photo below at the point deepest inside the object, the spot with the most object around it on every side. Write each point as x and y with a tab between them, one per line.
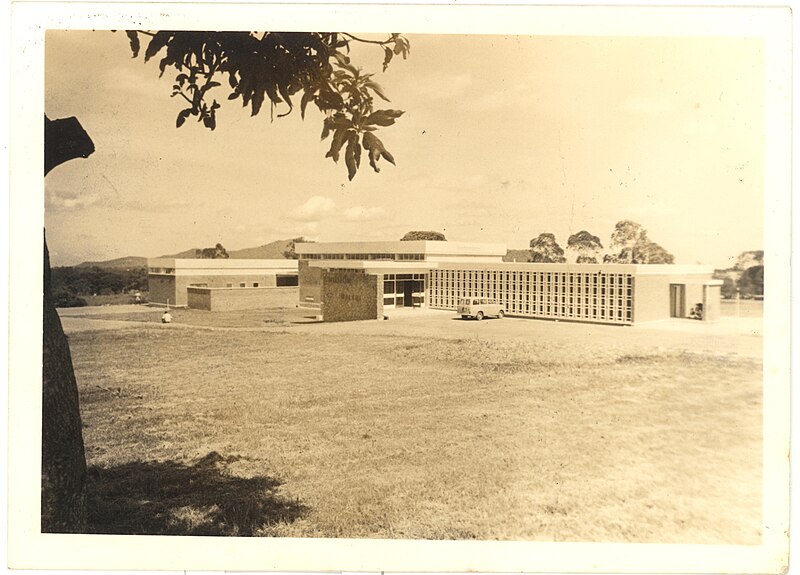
403	290
408	293
677	300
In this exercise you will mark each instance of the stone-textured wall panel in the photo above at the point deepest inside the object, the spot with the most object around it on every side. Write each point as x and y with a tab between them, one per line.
351	295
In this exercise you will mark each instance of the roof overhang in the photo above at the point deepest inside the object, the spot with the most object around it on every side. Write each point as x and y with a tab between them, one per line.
375	267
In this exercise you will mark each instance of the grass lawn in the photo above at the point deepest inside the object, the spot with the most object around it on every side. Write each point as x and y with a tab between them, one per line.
437	431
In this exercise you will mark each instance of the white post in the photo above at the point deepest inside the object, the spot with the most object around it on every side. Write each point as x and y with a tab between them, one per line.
738	322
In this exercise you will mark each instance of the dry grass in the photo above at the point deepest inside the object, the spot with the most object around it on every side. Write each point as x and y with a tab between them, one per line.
354	431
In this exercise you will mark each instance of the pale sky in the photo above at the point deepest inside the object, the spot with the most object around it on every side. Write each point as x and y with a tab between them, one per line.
504	137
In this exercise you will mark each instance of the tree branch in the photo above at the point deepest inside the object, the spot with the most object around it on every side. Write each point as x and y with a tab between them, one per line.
357	39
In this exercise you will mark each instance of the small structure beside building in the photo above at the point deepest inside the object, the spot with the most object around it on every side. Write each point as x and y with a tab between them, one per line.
359	280
222	284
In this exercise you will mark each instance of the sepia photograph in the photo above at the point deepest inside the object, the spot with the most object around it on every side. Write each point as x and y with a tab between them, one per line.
437	286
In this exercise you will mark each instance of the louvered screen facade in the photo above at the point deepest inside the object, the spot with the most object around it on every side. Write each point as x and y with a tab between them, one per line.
596	296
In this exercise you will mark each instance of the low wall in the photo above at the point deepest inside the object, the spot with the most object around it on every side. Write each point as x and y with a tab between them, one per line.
232	299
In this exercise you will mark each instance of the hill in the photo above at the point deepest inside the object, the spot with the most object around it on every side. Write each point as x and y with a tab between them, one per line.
128	262
270	251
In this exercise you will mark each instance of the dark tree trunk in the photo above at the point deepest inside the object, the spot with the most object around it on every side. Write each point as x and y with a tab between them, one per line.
63	458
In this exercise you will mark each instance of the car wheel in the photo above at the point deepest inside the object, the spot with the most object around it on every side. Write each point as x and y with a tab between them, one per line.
500	314
479	316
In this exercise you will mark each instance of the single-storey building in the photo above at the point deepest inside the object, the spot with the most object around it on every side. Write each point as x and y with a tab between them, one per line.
358	280
222	284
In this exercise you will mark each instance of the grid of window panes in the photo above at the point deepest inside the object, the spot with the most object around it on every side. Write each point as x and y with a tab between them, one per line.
366	257
584	296
394	289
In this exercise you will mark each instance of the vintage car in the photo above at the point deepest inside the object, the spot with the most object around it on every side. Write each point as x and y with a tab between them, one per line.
479	308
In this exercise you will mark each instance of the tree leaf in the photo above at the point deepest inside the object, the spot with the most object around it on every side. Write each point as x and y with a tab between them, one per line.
388	157
375	87
383	117
356	148
258	99
326	129
157	42
350	158
182	117
339	138
307	97
286	98
376	150
388	57
134	40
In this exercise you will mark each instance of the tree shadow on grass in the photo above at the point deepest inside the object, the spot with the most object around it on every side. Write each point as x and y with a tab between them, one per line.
170	498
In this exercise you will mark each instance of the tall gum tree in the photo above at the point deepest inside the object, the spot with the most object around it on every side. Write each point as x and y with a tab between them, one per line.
63	459
258	67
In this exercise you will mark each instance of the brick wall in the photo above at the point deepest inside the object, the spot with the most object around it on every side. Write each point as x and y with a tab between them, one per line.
160	289
174	287
350	295
231	299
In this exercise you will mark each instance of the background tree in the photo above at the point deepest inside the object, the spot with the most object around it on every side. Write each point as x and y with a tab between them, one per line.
647	251
585	246
623	239
423	235
632	245
751	283
289	252
545	249
277	67
728	288
749	259
217	252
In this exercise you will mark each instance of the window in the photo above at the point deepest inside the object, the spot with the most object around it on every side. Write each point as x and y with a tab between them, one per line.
229	285
242	284
255	284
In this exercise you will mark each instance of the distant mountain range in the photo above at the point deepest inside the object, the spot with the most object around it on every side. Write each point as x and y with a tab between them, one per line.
270	251
128	262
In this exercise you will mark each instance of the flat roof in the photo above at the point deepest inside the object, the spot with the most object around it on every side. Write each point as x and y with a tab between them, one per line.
221	264
437	248
425	266
376	267
636	269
